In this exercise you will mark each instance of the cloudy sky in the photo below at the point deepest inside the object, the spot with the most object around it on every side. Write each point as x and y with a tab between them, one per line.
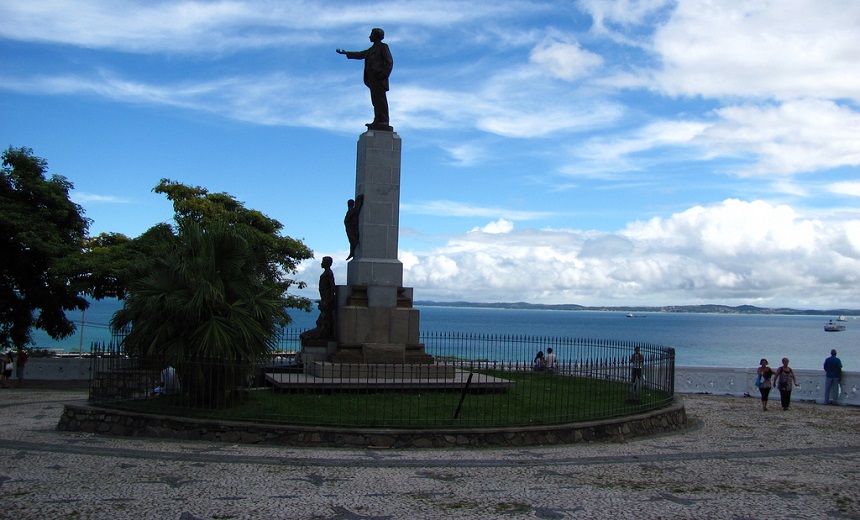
592	152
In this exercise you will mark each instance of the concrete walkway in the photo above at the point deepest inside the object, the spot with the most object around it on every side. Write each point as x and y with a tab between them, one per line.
736	462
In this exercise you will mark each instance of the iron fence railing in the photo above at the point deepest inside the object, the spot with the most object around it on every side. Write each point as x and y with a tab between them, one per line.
475	380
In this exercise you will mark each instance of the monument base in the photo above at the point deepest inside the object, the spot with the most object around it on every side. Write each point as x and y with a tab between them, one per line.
314	351
381	371
375	322
375	325
383	353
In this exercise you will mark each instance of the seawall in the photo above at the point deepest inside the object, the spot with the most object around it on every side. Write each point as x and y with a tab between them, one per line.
741	381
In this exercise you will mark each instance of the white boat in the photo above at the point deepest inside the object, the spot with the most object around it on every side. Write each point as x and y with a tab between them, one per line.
841	318
833	327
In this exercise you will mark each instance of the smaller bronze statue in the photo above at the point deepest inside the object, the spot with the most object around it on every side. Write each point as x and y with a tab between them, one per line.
377	67
350	222
328	303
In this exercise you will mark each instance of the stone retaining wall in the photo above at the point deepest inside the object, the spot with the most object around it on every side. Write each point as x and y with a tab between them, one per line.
87	418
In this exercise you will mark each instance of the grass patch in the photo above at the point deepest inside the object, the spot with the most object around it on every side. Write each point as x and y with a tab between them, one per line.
537	398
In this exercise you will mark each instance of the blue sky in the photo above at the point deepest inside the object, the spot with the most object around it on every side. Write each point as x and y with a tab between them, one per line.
591	152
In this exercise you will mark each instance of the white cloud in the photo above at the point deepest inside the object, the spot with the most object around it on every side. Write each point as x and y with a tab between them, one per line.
499	226
466	154
227	26
849	188
784	71
614	17
774	140
566	60
657	134
793	137
446	208
81	197
734	252
786	49
733	228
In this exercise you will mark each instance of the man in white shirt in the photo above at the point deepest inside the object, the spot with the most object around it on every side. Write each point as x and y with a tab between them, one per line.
550	361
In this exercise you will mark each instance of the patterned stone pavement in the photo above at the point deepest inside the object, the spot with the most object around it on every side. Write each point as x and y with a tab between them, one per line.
736	462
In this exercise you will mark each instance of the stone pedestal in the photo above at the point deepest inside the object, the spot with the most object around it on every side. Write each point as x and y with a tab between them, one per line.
376	322
377	177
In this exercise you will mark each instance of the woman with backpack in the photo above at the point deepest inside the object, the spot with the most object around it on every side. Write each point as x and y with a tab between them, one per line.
784	379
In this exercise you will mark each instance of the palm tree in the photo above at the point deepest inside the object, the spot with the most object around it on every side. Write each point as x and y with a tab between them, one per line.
206	308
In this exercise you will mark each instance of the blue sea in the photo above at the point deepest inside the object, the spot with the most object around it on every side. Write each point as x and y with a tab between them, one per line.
708	340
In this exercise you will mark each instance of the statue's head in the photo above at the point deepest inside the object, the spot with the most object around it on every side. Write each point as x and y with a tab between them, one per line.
377	34
326	262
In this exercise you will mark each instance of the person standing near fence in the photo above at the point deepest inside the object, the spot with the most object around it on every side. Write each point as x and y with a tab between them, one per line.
784	379
637	376
7	370
833	377
20	365
764	384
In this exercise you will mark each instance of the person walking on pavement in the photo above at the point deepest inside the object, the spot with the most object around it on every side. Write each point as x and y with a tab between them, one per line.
764	373
784	379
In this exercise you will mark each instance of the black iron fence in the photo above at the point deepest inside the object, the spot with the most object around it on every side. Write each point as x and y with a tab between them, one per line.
474	380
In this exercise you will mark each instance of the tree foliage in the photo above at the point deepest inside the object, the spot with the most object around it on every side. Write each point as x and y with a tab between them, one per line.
111	261
281	254
203	298
42	233
207	294
204	309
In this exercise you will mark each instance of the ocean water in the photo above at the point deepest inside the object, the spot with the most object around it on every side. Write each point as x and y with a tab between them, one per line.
707	340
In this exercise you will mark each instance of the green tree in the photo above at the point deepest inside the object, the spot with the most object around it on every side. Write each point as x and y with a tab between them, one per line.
112	260
281	254
205	309
42	233
212	287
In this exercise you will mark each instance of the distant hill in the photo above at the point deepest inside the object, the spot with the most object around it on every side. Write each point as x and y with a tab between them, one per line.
707	308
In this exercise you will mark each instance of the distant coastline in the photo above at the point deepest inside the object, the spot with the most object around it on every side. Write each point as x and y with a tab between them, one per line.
708	308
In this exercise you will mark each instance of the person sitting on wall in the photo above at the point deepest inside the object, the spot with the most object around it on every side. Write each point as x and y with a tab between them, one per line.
550	360
539	364
168	383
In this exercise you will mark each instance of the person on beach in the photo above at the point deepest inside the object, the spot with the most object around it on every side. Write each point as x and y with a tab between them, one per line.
550	360
833	376
538	364
784	379
764	386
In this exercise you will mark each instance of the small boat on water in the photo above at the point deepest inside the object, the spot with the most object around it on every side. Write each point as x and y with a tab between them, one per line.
841	318
833	327
631	315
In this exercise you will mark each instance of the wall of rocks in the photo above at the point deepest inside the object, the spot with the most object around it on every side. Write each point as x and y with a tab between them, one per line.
82	417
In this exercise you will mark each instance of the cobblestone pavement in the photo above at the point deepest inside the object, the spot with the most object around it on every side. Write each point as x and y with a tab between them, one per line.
735	462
